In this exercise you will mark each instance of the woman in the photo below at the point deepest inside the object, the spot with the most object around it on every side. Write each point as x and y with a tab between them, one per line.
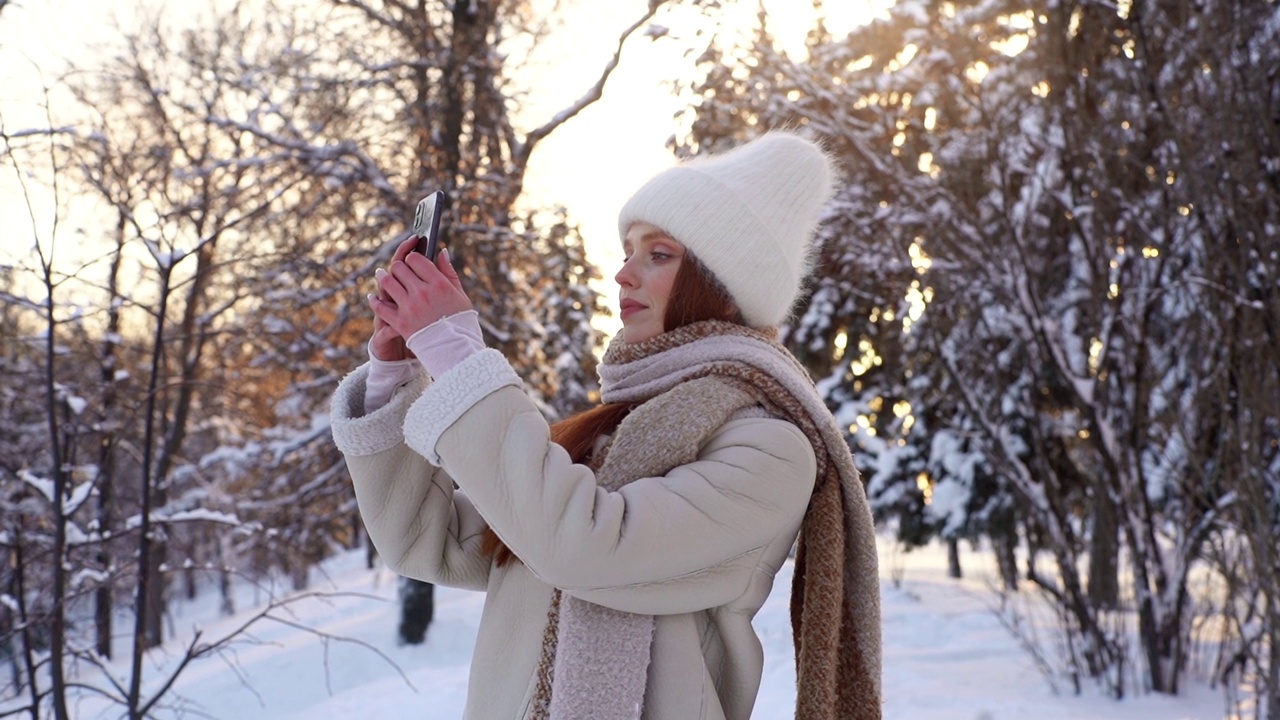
625	550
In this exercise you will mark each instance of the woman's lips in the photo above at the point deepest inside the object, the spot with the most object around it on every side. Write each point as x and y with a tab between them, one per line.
630	307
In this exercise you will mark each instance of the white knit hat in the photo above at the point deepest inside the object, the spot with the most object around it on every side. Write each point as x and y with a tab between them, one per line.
748	214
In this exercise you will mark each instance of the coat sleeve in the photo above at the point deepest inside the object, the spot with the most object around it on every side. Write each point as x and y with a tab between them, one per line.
420	526
682	542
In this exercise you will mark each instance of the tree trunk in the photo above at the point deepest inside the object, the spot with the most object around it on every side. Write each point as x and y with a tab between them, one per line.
1272	700
9	653
8	635
103	605
416	610
300	572
146	546
1104	546
103	602
228	607
156	582
58	611
8	650
1100	654
19	591
102	609
1155	644
157	577
193	335
1005	541
953	558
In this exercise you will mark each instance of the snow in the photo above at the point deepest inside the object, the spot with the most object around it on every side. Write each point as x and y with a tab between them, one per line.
43	485
199	514
165	259
946	654
656	31
950	496
83	491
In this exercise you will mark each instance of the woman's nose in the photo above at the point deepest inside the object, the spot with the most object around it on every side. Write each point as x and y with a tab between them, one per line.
625	275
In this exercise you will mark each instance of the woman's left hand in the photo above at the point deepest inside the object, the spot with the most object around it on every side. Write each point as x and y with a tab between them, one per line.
421	293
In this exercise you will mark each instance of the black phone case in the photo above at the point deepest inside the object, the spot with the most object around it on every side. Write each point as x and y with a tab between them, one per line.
427	227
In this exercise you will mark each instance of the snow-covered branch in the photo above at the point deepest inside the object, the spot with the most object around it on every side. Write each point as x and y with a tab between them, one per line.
592	95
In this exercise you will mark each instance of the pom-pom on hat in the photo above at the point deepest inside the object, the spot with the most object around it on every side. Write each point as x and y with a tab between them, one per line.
748	214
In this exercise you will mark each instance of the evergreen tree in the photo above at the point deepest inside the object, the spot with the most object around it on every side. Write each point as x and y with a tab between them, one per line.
1029	205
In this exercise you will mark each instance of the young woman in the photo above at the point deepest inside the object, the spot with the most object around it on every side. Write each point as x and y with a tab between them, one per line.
624	551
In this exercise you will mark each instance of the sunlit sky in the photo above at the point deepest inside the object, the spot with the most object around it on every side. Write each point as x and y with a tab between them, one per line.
590	164
596	160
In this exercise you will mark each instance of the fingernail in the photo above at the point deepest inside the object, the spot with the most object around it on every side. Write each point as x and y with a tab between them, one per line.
445	254
379	273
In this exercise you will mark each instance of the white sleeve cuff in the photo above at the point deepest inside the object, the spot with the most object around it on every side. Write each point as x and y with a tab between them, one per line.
452	395
356	432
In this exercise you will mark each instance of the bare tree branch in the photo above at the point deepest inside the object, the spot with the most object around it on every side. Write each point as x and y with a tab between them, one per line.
592	95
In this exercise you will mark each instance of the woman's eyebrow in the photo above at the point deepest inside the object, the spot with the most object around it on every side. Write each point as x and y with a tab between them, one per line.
658	236
649	237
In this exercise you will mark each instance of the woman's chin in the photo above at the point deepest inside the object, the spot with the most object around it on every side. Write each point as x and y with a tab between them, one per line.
639	332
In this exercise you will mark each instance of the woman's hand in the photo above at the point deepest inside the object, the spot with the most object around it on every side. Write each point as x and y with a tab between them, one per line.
386	343
414	294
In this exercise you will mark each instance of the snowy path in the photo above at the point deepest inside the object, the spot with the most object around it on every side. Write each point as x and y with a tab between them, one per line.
946	657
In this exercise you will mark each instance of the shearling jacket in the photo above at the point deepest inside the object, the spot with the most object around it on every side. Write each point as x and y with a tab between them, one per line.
697	548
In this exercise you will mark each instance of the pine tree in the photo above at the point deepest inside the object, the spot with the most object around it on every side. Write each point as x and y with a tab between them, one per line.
1026	185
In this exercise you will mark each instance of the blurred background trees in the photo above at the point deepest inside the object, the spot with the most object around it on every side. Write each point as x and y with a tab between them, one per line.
168	376
1047	310
1049	305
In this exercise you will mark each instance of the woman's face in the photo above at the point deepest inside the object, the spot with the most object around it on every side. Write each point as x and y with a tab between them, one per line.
646	279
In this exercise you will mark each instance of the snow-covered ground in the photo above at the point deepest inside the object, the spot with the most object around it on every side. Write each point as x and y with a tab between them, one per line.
946	656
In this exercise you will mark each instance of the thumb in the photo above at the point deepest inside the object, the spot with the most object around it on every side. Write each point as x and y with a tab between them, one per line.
445	265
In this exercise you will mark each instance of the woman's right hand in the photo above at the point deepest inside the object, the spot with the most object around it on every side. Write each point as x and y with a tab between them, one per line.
386	344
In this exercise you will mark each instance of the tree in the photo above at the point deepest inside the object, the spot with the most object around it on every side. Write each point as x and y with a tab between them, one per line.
1042	168
255	169
341	139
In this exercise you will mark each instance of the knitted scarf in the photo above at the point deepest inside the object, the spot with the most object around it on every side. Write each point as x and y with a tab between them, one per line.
600	654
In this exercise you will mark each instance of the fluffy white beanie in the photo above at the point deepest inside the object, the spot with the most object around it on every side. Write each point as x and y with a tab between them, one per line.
748	215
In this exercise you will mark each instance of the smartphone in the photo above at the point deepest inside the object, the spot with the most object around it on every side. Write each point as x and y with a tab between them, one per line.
426	223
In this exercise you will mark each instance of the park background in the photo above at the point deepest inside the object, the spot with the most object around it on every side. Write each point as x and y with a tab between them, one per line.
1046	314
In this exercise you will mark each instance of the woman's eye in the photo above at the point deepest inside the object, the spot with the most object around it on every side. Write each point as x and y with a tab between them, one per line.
659	256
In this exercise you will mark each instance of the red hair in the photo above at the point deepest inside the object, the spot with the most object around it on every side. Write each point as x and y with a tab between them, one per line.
695	296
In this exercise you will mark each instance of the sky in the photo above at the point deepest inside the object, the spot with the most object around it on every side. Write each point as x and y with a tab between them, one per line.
590	164
594	161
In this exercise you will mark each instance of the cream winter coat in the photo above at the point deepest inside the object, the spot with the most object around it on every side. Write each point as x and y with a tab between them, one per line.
697	548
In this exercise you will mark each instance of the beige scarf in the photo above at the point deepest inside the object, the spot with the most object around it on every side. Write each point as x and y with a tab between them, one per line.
689	382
